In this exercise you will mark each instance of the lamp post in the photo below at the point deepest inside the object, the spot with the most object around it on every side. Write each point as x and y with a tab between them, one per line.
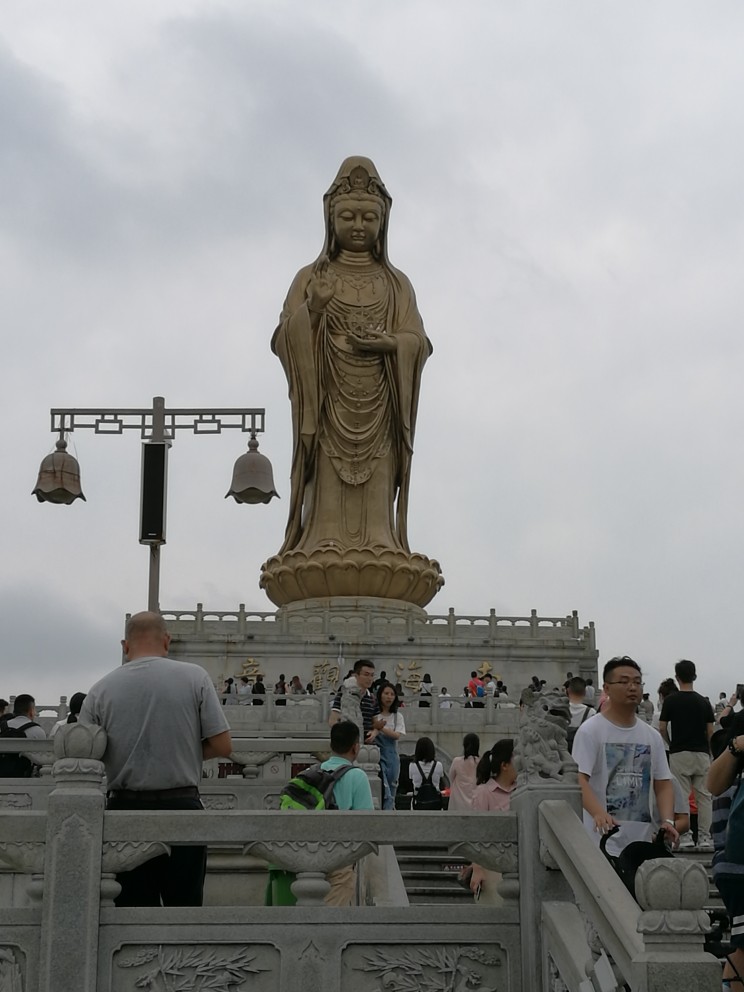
59	474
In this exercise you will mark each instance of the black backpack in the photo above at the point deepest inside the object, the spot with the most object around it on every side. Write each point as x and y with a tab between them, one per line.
571	731
312	788
14	765
428	796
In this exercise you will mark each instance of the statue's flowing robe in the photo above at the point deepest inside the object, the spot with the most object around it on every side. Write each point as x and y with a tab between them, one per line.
353	420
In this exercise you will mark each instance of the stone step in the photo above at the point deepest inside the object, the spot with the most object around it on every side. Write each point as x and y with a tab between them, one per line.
426	895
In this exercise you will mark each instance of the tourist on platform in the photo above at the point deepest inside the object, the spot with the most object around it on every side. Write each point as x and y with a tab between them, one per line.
686	723
728	713
354	701
491	687
258	691
579	709
496	777
296	687
23	719
244	690
280	692
590	693
380	680
720	706
230	691
620	758
352	791
445	700
477	690
392	728
400	693
4	714
76	701
646	709
425	692
310	689
462	774
162	718
424	765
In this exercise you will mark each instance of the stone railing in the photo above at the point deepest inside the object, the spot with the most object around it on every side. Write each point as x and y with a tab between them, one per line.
655	943
580	930
71	936
450	625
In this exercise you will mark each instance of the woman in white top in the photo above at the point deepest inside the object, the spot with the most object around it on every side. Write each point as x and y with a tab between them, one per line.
423	765
462	774
387	737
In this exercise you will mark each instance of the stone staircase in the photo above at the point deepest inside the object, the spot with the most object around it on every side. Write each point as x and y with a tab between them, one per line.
430	874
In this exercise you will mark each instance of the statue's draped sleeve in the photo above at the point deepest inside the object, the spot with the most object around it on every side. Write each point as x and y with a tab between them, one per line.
294	342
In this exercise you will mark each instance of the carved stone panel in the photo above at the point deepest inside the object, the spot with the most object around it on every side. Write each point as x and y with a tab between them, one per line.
15	800
27	857
12	969
424	968
192	967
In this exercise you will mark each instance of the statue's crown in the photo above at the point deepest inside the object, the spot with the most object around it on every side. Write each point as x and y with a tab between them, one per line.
359	183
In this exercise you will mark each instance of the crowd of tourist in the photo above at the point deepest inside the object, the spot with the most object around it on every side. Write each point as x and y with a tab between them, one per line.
643	765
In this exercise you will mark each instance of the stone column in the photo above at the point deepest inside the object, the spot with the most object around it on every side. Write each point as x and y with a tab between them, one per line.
72	870
538	883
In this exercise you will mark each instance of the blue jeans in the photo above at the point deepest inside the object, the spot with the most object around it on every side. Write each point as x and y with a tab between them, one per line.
389	769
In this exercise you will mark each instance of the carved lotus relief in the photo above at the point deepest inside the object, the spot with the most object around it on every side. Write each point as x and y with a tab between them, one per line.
496	856
126	855
25	857
315	856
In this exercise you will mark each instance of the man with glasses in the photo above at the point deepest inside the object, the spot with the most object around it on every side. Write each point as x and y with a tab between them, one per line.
620	759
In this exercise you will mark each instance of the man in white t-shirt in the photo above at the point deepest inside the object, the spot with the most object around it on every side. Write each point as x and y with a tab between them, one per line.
620	760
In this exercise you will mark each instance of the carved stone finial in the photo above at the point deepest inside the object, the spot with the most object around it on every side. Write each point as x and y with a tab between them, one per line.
80	740
671	883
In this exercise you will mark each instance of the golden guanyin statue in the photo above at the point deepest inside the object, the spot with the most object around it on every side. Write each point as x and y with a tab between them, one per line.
352	345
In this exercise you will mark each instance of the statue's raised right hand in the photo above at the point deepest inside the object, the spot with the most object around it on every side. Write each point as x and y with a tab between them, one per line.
321	289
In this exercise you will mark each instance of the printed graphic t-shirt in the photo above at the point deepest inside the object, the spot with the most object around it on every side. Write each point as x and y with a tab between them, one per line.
622	764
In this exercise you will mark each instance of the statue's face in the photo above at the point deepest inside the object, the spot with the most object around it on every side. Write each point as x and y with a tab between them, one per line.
356	223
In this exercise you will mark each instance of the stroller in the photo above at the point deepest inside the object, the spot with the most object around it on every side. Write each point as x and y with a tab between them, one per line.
630	859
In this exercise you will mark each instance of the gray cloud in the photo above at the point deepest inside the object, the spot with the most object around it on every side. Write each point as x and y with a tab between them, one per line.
566	185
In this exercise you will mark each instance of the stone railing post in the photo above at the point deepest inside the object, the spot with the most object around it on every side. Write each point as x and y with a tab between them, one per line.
72	869
673	924
538	881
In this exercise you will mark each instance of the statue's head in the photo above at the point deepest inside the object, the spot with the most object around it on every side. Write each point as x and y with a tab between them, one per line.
357	207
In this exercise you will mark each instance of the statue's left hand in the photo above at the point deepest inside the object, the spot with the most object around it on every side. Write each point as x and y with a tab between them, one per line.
373	341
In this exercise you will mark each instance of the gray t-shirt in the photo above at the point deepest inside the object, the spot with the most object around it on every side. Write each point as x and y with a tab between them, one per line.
156	713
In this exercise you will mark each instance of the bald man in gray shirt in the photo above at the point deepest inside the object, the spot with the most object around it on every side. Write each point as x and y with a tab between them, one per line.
162	718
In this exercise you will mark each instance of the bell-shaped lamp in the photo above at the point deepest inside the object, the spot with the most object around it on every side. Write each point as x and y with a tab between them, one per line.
59	477
253	477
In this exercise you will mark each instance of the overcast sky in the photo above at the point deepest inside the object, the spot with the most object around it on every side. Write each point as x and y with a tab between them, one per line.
567	201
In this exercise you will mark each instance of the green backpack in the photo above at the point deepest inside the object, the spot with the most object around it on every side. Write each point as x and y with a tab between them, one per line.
312	788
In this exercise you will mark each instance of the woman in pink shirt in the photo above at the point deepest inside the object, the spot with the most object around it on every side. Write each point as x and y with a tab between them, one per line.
462	775
496	777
